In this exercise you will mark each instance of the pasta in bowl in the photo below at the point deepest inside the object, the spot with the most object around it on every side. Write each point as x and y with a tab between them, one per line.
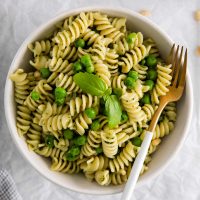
87	97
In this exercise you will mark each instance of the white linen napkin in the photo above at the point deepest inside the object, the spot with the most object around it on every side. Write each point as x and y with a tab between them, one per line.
8	190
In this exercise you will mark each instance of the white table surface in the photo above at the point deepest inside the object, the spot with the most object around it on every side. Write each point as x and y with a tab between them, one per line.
181	180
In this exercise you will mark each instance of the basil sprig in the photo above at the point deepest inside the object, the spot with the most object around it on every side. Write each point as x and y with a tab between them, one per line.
92	84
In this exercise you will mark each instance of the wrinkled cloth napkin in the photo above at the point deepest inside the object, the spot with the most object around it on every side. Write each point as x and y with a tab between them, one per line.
8	190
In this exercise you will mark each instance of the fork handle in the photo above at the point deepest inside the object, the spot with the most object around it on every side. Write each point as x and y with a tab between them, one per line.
137	167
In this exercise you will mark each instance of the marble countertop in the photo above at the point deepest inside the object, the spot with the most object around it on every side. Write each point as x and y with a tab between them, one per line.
181	180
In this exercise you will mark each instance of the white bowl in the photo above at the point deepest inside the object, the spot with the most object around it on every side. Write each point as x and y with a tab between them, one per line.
170	145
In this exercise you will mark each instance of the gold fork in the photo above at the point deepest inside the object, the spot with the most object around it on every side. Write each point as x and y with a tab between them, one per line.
179	65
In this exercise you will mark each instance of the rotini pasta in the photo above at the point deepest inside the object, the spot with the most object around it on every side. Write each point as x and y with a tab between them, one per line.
95	164
40	47
81	123
71	126
133	57
67	83
64	166
57	122
109	143
103	72
106	28
93	142
127	155
133	109
163	81
42	88
122	46
77	27
79	104
21	85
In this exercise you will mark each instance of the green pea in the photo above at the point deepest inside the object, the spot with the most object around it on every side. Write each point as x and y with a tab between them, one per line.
68	134
99	150
149	83
80	140
133	74
130	83
146	99
49	141
60	102
86	61
73	153
90	69
137	141
35	95
131	38
124	117
77	67
90	112
95	126
80	43
142	62
60	93
117	92
152	74
151	61
45	72
139	129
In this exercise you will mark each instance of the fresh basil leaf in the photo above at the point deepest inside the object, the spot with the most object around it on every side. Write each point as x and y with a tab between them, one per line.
113	110
107	93
90	83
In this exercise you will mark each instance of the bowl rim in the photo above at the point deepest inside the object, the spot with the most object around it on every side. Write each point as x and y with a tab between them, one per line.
47	24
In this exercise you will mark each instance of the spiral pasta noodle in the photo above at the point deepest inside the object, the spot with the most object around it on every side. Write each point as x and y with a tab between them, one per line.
79	104
64	166
40	47
127	155
34	136
102	177
118	81
94	164
163	128
106	28
122	46
67	82
21	85
42	88
57	122
132	107
69	53
103	72
50	152
154	49
149	110
119	23
81	123
109	143
133	58
162	83
91	37
59	65
39	62
49	110
77	27
93	142
23	119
